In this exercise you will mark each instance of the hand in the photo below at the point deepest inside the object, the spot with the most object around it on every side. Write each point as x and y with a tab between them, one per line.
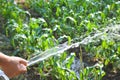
14	66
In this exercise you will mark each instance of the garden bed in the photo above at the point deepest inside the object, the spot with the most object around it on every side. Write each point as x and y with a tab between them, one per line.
35	26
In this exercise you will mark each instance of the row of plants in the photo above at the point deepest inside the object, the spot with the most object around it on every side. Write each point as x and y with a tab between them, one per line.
42	24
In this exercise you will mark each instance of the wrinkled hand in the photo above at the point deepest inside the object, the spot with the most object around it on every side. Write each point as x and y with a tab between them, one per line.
14	66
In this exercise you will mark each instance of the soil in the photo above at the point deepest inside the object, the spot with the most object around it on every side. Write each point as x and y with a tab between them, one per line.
33	74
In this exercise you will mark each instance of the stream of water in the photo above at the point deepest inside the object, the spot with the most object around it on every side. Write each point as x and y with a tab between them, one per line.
65	46
59	49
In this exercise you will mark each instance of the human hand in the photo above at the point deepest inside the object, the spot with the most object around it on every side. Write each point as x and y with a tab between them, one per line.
14	66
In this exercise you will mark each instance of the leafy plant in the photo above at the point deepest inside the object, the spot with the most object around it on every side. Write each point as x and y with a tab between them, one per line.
47	23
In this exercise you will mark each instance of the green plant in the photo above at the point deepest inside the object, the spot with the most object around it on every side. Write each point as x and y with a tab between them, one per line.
48	23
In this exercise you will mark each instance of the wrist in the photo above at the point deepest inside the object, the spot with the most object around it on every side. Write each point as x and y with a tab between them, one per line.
4	59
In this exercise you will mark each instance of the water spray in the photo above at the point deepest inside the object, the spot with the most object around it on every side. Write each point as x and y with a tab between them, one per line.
109	32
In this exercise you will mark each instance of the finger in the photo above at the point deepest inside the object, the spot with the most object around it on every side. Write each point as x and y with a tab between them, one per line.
25	62
22	68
